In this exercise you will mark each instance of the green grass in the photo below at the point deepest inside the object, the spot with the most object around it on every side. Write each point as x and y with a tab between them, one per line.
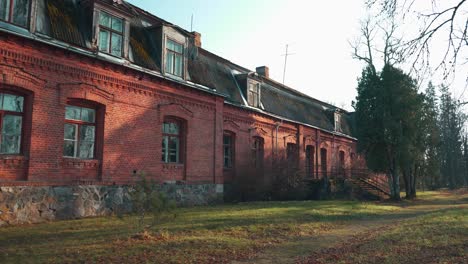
440	237
436	231
215	234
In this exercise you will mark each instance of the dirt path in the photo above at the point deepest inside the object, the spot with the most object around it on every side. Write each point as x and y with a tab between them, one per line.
288	252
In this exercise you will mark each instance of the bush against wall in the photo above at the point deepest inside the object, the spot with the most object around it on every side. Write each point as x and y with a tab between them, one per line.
149	202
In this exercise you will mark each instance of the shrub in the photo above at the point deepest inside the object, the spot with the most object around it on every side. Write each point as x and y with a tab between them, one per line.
148	201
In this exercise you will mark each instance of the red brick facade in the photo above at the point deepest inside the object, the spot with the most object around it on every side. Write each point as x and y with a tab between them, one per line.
133	106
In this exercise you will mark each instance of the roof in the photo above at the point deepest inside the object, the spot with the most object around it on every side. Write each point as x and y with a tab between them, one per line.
70	21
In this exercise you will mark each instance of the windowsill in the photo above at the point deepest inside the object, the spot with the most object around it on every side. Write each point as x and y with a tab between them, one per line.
173	166
180	78
14	28
15	161
68	162
12	157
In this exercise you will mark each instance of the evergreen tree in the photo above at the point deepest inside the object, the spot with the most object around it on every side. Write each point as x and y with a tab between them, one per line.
431	170
389	115
465	160
451	123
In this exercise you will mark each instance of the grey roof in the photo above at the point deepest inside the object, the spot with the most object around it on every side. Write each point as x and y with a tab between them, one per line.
70	21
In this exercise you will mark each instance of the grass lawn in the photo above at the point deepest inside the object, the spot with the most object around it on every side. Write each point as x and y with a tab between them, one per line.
219	234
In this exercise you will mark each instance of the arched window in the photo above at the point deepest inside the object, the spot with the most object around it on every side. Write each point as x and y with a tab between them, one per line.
11	123
172	141
323	162
80	132
342	159
257	152
229	149
310	161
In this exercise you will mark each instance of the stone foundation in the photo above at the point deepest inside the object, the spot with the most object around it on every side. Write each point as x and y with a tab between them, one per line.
24	205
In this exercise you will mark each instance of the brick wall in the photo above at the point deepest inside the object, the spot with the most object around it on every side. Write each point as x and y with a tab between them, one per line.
133	106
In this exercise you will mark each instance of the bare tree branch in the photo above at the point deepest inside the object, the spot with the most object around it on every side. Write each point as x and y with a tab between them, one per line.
451	21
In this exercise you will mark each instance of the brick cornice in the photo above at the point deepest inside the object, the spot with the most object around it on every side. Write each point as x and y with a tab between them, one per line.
100	80
18	77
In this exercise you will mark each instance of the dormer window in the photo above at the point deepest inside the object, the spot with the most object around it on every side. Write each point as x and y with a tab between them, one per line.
111	33
253	94
15	12
338	122
174	58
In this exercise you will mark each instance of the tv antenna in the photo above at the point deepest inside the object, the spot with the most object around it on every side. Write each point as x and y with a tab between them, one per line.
286	61
191	24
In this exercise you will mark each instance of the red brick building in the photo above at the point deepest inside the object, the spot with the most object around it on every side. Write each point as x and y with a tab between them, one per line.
93	91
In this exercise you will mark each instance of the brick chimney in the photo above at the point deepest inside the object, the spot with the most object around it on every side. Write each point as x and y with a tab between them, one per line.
197	39
263	71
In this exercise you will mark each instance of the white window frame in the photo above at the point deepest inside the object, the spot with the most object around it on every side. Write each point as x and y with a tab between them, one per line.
111	31
338	122
173	56
98	8
250	94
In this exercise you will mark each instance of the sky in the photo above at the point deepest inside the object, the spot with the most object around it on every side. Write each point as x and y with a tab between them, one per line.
255	33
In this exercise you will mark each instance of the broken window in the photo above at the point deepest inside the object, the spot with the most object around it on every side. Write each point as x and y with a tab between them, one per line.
174	58
110	34
253	94
80	132
11	123
15	11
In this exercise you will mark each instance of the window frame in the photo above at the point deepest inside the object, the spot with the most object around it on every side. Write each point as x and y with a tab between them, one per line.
232	150
23	115
175	53
324	162
253	94
338	122
110	30
258	148
181	141
310	161
10	15
78	124
291	155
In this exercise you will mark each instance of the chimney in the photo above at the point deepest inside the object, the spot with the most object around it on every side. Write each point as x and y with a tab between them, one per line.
263	71
197	39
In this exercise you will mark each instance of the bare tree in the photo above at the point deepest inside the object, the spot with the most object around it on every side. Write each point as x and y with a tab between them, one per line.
446	20
368	48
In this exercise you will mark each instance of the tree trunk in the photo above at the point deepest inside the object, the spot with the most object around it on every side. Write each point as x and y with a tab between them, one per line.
395	181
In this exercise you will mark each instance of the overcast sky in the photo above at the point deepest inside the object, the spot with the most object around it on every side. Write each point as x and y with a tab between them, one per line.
254	33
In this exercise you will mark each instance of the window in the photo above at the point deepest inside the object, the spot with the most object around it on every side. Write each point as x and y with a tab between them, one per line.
110	34
338	122
257	152
174	58
15	12
80	132
291	155
11	123
253	95
228	149
342	159
310	161
323	161
342	162
171	142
